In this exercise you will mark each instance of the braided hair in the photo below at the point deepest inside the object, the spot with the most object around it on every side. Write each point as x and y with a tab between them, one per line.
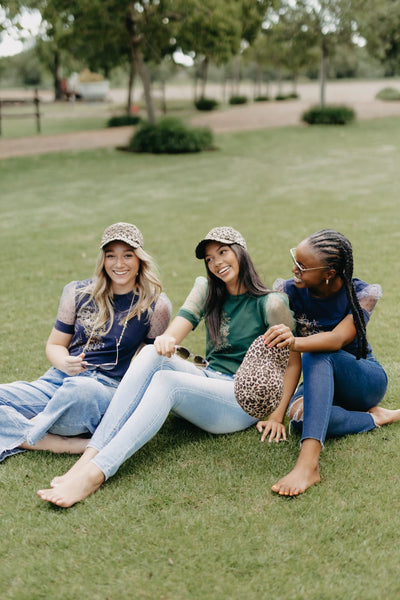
337	252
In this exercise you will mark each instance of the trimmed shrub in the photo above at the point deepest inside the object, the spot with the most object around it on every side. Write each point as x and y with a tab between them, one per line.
388	94
329	115
170	136
123	120
261	99
206	104
291	96
238	100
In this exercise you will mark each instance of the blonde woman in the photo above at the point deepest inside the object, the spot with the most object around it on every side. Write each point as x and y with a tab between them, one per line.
101	323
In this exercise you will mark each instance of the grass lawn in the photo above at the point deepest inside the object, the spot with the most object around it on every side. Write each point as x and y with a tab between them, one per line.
191	516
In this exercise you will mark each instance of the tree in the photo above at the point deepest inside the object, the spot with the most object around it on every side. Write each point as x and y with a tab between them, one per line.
379	24
322	24
212	32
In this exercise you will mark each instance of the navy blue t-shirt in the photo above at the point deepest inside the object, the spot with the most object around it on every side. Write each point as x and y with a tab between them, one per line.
102	346
314	315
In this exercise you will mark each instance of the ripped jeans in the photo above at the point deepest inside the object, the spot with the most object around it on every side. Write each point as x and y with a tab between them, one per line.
337	391
61	404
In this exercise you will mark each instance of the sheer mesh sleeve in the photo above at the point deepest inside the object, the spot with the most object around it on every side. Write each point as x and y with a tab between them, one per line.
196	300
279	285
277	311
369	296
67	308
161	316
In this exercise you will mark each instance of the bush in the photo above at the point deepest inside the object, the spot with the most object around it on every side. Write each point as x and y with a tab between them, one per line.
291	96
388	94
170	136
238	100
329	115
206	104
261	99
122	120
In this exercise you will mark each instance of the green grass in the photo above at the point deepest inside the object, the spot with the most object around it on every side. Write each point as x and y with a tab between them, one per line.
191	515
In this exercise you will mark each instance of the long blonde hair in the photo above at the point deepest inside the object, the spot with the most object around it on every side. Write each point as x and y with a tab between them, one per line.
148	288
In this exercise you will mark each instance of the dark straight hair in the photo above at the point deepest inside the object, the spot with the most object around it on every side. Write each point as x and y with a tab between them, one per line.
337	253
217	292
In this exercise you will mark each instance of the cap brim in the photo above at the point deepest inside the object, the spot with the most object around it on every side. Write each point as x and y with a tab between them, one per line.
121	239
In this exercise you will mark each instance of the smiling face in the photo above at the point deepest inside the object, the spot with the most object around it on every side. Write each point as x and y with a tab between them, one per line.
121	265
223	263
309	270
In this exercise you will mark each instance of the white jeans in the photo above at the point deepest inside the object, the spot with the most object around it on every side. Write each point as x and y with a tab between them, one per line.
151	388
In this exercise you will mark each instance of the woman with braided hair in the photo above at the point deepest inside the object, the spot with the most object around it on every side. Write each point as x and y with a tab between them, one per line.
342	381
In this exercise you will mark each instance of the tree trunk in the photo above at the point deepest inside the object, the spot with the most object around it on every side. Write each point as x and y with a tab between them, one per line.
322	75
237	63
130	87
135	40
58	95
204	73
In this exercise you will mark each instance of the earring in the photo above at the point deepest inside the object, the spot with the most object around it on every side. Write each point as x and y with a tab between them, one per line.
327	281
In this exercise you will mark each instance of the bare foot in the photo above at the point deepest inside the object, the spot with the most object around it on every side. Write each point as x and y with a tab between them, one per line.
76	488
384	416
76	468
305	473
296	482
59	444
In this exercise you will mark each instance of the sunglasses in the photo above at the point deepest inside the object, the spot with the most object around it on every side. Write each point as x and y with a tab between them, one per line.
184	353
103	366
299	267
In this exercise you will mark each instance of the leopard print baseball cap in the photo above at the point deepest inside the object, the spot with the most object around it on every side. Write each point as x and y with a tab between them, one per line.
224	235
122	232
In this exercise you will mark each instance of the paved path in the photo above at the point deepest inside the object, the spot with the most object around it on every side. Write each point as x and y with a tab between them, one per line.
259	115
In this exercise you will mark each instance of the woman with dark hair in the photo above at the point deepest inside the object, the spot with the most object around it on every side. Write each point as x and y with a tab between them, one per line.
237	308
342	381
101	323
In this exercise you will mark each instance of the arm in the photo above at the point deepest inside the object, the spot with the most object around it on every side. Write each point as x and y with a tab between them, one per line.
326	341
273	426
174	334
58	355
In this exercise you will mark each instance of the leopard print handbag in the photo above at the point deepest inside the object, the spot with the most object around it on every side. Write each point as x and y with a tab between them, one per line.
258	382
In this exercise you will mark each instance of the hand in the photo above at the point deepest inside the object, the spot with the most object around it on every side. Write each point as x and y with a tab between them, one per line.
280	336
165	345
275	429
73	365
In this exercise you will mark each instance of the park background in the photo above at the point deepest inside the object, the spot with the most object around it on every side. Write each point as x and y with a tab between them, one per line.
191	515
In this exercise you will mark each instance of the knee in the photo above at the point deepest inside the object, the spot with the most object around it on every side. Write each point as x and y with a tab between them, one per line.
312	359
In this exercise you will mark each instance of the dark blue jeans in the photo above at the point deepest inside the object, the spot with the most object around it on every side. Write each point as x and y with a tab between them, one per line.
338	390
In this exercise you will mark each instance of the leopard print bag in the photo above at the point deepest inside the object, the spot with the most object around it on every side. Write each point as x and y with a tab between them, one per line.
258	382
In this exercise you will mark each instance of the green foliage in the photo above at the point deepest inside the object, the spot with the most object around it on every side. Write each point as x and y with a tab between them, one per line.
291	96
329	115
123	120
238	100
170	136
206	104
388	93
262	99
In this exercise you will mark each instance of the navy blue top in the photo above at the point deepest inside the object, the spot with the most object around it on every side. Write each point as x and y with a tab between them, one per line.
314	315
102	346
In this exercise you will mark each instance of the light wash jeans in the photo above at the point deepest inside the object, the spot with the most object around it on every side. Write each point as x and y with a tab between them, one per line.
151	388
338	390
62	405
